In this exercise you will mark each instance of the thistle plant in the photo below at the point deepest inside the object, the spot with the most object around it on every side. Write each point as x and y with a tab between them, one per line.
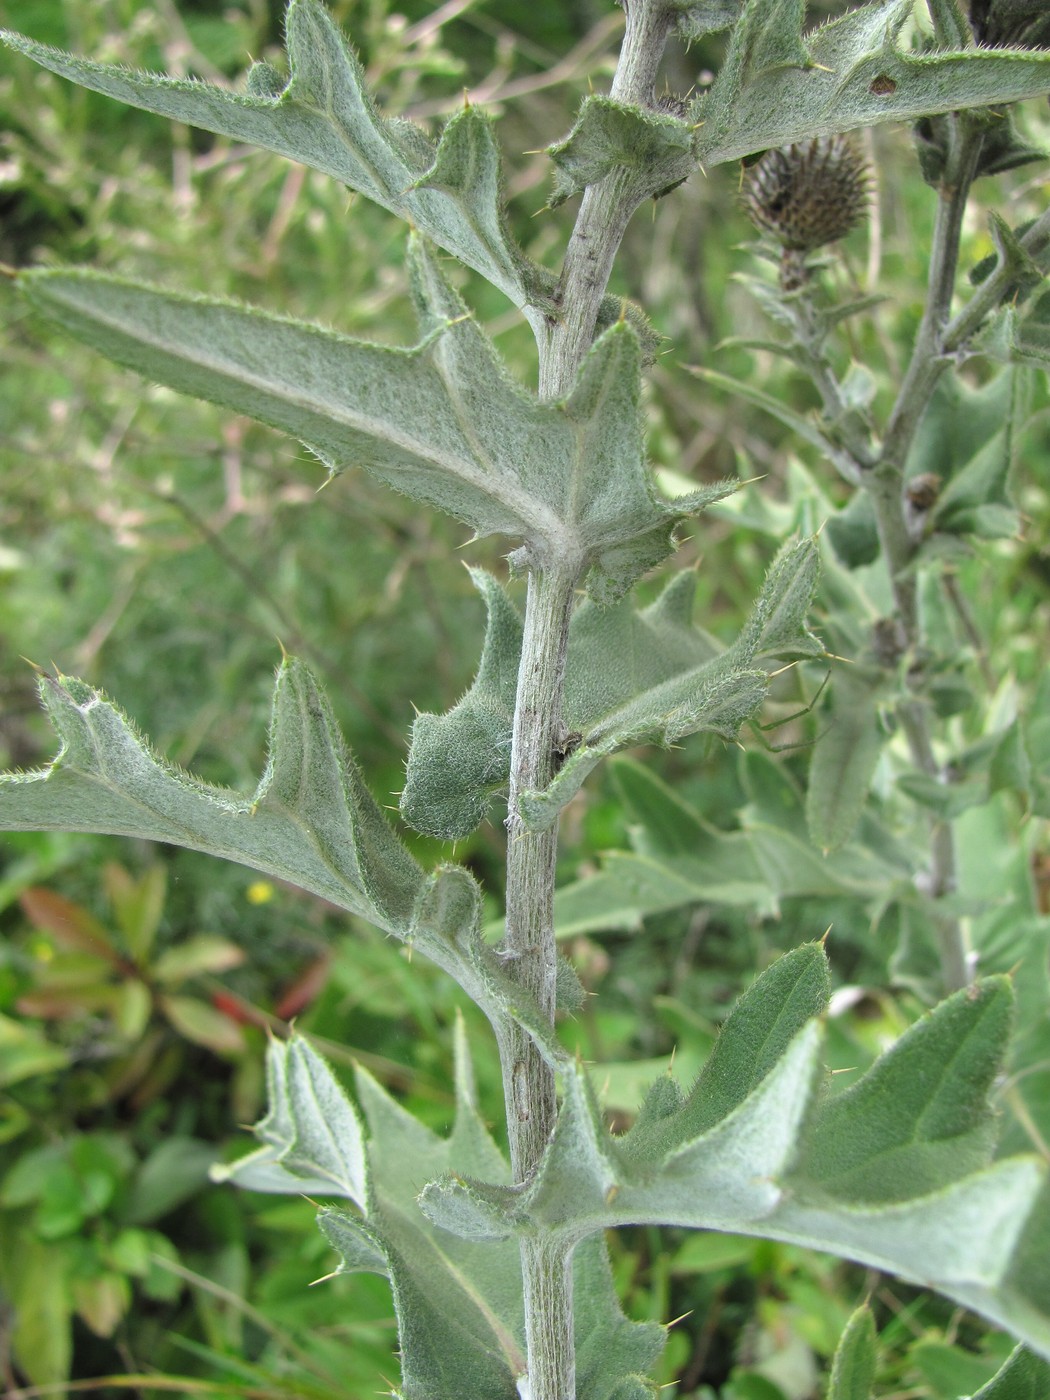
498	1268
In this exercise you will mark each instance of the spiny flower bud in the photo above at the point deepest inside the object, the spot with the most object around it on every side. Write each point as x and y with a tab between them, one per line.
809	194
1015	24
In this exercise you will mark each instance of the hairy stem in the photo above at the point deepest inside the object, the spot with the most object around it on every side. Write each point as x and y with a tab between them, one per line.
547	1272
531	951
886	488
928	360
605	210
529	943
847	424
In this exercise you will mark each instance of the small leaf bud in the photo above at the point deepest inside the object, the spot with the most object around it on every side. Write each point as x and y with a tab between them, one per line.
920	496
923	490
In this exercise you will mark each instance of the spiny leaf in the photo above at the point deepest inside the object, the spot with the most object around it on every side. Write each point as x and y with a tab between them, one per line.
716	701
1002	146
459	1304
630	677
1012	256
695	18
724	1179
313	1139
778	87
457	760
977	496
762	1024
654	148
609	1347
767	36
919	1118
777	626
323	116
1020	337
442	422
898	1189
311	821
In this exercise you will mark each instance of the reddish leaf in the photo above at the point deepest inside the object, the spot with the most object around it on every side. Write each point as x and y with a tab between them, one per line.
68	924
306	988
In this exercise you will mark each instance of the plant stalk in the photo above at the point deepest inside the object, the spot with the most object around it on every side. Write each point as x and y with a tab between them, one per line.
605	210
531	952
529	945
886	488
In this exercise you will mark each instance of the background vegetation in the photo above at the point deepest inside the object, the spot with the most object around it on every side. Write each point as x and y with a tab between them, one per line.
155	547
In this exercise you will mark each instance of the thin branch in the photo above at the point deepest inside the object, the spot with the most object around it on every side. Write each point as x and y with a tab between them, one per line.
886	489
578	61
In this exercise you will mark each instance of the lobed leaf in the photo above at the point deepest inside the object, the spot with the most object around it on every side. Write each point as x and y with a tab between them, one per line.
310	821
459	1303
716	701
442	422
457	760
966	438
920	1117
631	677
695	18
778	86
313	1138
634	677
323	116
765	1020
653	149
893	1173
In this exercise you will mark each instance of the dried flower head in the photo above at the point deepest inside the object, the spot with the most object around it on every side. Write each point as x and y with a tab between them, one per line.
810	194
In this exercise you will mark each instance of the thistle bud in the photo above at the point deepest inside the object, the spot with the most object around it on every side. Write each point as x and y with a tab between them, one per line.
1015	24
809	194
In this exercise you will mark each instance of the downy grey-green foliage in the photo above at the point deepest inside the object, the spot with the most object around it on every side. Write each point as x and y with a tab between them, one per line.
498	1271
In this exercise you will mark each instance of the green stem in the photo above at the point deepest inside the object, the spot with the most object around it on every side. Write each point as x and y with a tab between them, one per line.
885	485
928	360
844	421
530	949
995	289
605	210
529	945
952	943
547	1273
